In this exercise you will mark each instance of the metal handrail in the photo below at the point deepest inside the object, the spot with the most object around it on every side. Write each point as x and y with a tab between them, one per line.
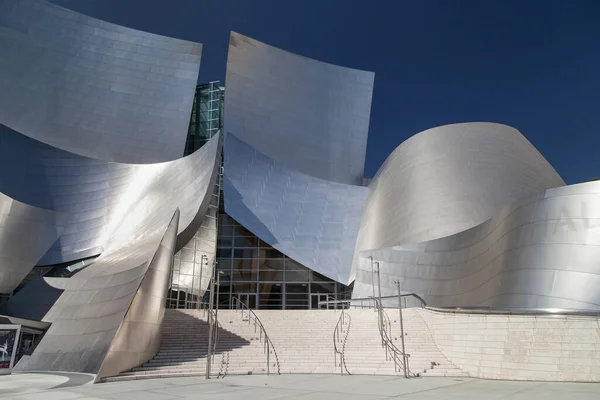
336	338
400	358
213	313
471	309
268	344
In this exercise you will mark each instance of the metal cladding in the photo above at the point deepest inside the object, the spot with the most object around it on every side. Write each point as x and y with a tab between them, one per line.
94	88
541	251
95	194
311	220
277	101
448	179
126	286
138	337
26	233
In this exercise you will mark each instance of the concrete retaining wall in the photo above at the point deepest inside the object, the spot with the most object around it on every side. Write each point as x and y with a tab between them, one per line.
519	347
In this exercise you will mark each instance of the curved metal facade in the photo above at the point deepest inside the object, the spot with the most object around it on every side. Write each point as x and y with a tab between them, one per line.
312	221
118	299
26	234
93	88
276	101
448	179
94	193
541	251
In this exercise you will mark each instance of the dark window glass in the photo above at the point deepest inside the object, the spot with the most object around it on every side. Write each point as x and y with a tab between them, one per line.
225	230
318	277
245	253
223	253
241	231
300	275
224	265
270	253
246	241
225	241
322	287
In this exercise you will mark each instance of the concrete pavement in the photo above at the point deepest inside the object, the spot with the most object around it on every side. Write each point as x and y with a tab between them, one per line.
34	386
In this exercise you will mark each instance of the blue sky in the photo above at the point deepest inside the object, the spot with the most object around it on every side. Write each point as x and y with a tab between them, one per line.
531	64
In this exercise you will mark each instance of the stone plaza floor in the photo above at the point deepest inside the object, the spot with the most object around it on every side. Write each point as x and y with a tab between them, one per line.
37	386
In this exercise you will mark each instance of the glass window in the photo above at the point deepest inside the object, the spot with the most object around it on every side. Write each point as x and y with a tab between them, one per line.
224	265
270	275
270	253
299	275
245	263
223	253
225	241
241	231
225	230
318	277
225	219
246	241
244	287
322	287
263	244
291	264
243	275
245	253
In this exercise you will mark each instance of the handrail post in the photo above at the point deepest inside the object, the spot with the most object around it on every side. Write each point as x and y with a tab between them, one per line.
209	318
404	358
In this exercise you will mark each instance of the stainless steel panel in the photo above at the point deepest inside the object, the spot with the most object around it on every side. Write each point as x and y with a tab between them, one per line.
60	181
26	234
277	101
93	88
138	337
542	251
313	221
91	311
449	179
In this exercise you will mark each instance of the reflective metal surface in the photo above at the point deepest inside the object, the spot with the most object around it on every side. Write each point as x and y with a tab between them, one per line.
94	88
95	301
448	179
312	221
26	233
308	115
540	252
95	194
138	337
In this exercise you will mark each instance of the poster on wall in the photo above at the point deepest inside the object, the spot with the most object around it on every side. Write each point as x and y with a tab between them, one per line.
9	340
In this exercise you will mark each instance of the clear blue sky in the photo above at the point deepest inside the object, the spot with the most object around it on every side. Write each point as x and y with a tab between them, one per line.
531	64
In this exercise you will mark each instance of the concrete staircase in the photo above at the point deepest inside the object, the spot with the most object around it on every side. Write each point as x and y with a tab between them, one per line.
184	344
303	340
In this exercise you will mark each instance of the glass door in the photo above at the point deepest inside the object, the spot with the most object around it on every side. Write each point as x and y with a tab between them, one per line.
296	296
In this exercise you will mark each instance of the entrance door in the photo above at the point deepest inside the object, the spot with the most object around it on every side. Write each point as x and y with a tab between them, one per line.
249	299
296	296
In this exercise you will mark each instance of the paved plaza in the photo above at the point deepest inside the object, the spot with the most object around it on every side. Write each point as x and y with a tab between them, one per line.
34	386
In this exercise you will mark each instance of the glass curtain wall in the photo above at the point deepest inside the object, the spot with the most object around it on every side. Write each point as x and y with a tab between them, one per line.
207	115
264	278
192	265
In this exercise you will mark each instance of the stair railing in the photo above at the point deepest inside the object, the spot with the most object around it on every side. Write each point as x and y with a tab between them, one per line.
268	344
391	351
340	350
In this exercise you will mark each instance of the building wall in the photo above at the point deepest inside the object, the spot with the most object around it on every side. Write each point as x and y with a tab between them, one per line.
540	252
517	347
278	101
447	180
94	88
311	220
